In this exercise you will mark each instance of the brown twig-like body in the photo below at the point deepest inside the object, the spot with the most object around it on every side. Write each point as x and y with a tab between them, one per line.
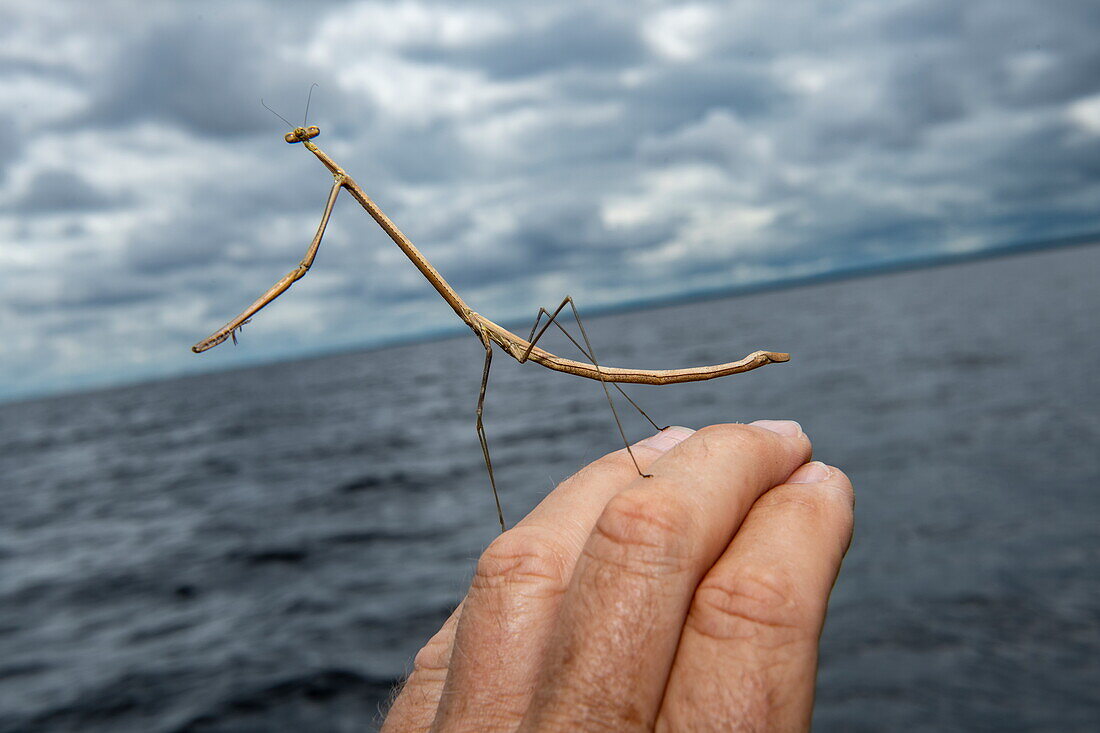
487	331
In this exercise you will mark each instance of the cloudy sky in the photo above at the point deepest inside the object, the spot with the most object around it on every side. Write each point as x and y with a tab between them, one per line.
611	151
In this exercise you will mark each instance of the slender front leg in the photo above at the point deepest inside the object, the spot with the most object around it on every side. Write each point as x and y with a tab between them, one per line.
481	431
591	355
280	287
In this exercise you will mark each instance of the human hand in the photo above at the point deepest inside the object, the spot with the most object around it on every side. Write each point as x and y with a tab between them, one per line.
692	600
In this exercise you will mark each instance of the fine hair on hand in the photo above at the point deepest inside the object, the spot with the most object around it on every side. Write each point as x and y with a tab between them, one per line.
692	600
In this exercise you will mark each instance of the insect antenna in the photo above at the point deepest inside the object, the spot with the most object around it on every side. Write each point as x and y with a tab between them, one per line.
284	119
305	119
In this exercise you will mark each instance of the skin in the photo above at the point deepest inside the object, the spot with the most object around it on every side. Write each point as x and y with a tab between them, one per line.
692	600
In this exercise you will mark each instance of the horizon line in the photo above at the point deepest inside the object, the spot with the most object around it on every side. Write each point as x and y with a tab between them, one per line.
850	272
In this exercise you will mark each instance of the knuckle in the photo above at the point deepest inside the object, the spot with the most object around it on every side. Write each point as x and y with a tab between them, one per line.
748	696
434	657
829	506
597	707
619	461
523	555
610	465
812	504
758	606
644	531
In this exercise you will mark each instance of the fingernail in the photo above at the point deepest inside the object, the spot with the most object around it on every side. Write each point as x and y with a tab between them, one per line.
811	473
666	439
789	428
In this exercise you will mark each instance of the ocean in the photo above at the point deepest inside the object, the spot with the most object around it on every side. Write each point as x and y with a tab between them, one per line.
266	549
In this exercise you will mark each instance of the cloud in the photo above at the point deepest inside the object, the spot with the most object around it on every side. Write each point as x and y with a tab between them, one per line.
571	40
530	150
53	191
157	76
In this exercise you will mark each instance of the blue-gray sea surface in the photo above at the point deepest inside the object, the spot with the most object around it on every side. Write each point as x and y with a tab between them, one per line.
266	549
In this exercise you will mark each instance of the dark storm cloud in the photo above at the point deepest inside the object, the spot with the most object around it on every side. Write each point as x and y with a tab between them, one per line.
183	245
673	95
1039	164
976	44
56	191
530	150
157	77
85	295
911	22
426	154
921	95
576	40
206	74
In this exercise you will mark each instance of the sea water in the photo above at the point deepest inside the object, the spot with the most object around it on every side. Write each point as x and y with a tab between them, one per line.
266	549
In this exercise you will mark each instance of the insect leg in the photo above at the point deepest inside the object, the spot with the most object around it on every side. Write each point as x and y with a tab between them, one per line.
532	339
590	353
229	329
481	431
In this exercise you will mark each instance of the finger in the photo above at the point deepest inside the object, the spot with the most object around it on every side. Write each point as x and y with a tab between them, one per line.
416	704
621	617
573	507
748	654
513	600
580	496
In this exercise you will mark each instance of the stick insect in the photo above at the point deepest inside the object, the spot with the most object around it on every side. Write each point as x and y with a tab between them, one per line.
488	333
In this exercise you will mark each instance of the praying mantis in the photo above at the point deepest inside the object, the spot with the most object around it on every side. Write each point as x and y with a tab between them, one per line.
488	333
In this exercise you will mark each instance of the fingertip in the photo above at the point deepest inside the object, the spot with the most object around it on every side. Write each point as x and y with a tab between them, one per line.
794	440
811	473
827	487
786	428
791	431
816	472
